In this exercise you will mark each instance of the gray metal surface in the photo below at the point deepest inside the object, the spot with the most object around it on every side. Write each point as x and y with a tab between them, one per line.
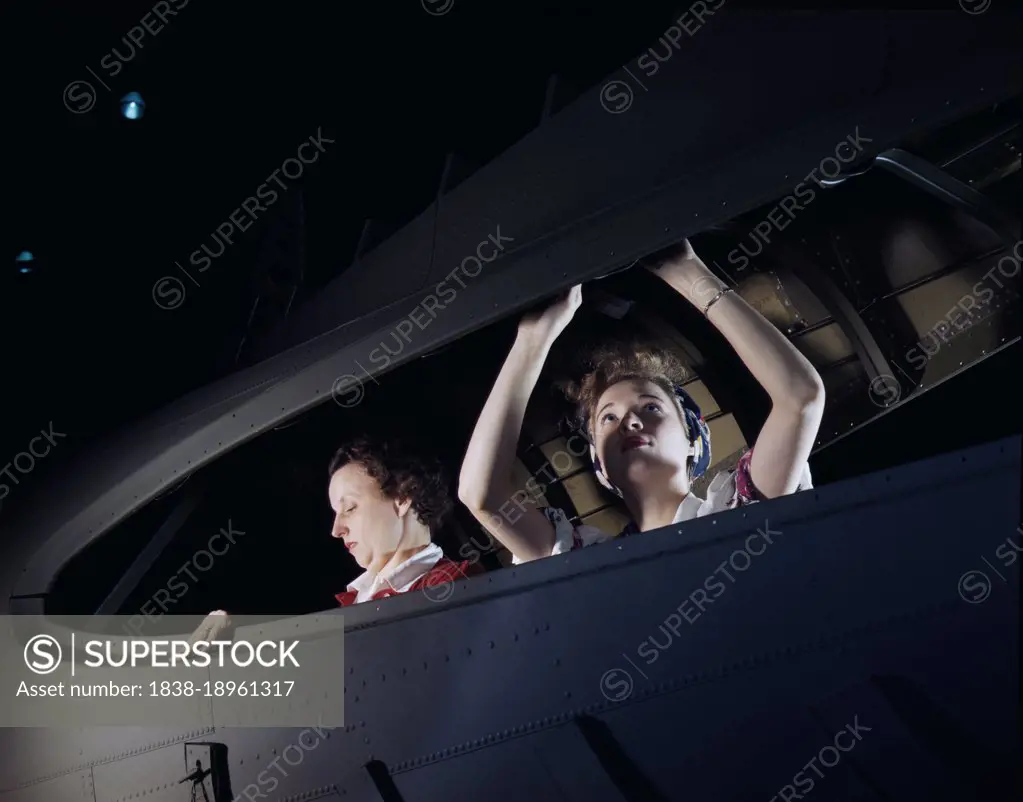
859	592
944	187
153	775
38	754
73	786
574	213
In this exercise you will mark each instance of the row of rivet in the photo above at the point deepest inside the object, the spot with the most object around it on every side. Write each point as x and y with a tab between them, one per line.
745	664
317	793
100	761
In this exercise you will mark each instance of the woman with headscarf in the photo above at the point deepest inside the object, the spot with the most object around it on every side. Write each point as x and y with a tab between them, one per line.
649	441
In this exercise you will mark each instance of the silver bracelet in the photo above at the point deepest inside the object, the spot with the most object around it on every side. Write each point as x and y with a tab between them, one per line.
715	299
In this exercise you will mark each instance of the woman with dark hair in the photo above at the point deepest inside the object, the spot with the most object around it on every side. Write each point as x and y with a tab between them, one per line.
387	505
648	438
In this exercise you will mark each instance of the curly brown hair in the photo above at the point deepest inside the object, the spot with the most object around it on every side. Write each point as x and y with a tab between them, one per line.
401	475
616	362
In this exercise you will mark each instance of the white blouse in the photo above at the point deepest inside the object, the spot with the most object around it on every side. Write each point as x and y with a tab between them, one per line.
399	578
723	493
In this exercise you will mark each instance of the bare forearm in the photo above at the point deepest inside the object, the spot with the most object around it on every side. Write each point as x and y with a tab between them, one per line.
486	475
779	367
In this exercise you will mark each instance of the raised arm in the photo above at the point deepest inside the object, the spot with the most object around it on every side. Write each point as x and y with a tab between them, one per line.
796	390
485	483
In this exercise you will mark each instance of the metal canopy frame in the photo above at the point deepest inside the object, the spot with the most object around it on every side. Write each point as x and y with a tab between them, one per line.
935	181
843	313
175	520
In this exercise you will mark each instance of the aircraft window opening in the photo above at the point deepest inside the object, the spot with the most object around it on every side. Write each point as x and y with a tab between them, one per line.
897	262
565	469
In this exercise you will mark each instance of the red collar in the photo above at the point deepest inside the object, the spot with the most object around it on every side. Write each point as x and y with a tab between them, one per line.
347	598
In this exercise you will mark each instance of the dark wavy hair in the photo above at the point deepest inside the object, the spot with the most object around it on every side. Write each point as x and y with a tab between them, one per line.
401	475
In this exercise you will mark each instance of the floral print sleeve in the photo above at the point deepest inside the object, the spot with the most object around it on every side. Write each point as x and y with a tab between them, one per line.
735	488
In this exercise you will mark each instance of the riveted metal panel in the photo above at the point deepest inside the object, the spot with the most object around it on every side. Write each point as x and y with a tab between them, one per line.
552	765
716	733
73	787
31	755
861	578
287	763
519	663
943	307
150	775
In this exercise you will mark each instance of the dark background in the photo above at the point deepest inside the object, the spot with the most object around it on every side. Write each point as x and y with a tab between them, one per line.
107	205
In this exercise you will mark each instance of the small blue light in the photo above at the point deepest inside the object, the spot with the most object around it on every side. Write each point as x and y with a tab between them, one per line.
132	106
25	270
